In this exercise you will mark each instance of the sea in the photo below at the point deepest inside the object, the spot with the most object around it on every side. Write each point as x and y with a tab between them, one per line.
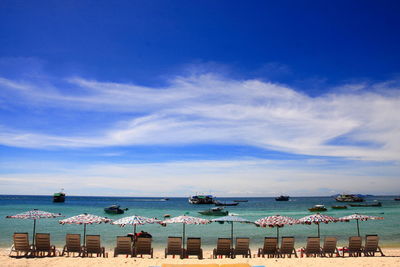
388	229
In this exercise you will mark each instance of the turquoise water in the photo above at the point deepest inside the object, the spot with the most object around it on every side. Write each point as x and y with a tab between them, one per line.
255	208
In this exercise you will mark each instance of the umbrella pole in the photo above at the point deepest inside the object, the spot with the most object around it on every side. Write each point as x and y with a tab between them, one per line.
134	229
232	234
358	228
34	230
318	229
277	233
183	234
84	233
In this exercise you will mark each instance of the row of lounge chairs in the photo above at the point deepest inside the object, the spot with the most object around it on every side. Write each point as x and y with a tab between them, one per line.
142	246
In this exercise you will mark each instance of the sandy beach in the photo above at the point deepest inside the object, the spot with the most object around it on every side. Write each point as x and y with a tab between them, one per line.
392	258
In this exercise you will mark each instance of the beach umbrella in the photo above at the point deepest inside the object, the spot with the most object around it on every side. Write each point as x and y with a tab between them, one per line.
359	217
135	220
231	219
318	219
277	221
85	219
184	219
34	215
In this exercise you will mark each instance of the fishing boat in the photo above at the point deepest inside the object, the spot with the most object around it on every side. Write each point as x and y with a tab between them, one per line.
217	211
201	199
282	198
376	204
397	199
318	208
339	207
114	209
59	197
217	203
349	198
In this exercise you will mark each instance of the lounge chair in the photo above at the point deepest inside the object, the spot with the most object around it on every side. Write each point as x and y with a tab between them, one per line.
193	247
124	246
223	248
287	247
174	247
143	247
242	247
72	245
21	244
270	247
93	246
43	246
329	247
371	245
354	249
313	247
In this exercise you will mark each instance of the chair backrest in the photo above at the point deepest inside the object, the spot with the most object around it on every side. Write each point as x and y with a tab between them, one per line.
193	245
124	245
287	244
143	245
93	244
21	241
73	242
174	245
355	243
330	243
42	241
242	245
270	244
313	245
371	243
224	246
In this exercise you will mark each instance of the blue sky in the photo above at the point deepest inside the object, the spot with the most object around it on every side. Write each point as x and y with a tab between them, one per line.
169	98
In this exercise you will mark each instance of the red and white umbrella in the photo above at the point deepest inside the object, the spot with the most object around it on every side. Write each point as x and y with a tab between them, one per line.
318	219
85	219
359	217
135	220
184	219
35	215
276	221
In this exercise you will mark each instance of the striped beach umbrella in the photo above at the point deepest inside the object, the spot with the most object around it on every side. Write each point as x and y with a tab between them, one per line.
231	219
35	215
135	220
277	221
318	219
85	219
184	219
359	217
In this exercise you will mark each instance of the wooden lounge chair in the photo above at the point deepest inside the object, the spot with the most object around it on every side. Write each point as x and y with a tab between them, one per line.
287	247
193	247
72	245
43	246
313	247
242	247
143	247
329	247
223	248
93	246
270	247
371	245
174	247
354	249
21	244
124	246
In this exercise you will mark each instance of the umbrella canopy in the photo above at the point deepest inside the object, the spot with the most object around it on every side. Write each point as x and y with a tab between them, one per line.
318	219
135	220
359	217
34	215
184	219
276	221
231	219
85	219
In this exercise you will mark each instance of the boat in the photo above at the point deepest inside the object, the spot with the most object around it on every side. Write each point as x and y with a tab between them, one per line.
217	211
241	200
397	199
217	203
282	198
201	199
59	197
318	208
349	198
376	204
339	207
114	209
